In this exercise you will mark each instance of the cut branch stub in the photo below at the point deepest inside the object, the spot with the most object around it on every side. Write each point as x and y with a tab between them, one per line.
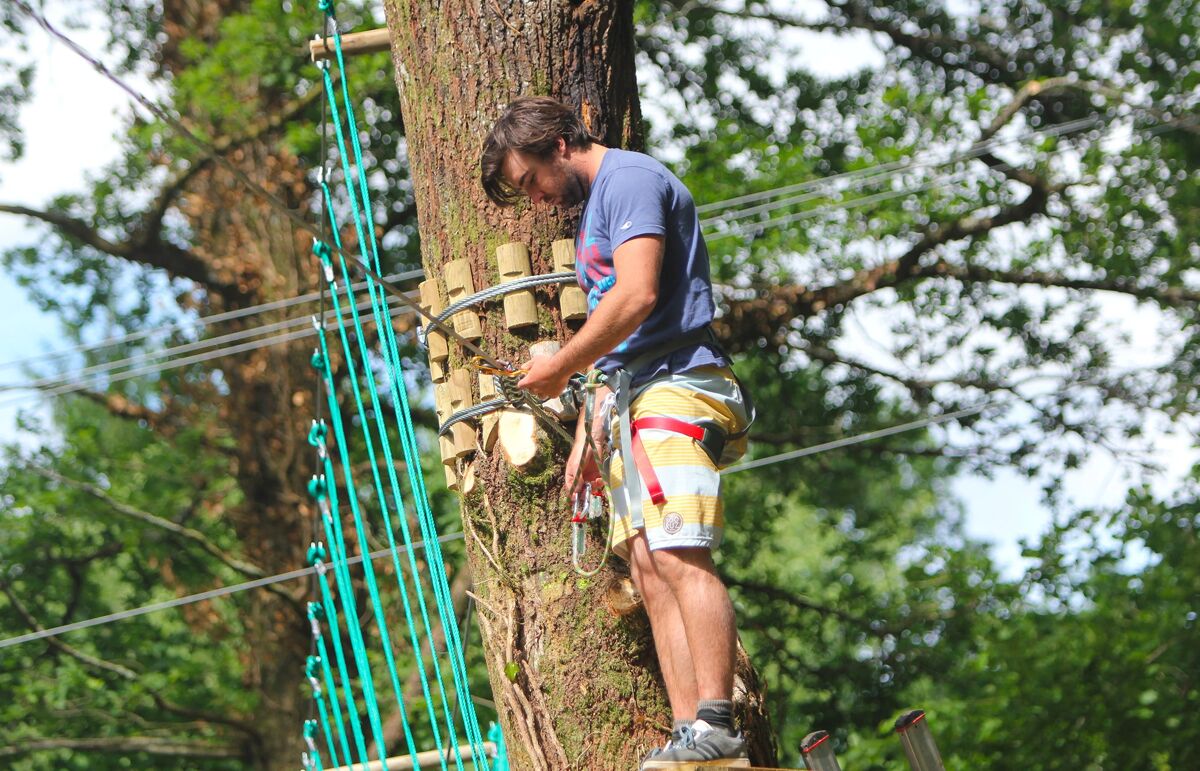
571	300
520	309
460	285
439	349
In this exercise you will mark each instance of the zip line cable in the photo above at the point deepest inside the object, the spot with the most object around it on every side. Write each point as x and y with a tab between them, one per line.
220	341
223	591
294	574
153	369
871	173
266	196
199	322
893	168
740	230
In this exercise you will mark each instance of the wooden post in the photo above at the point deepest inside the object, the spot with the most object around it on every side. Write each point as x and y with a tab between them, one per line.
520	309
459	284
439	348
353	43
571	299
460	398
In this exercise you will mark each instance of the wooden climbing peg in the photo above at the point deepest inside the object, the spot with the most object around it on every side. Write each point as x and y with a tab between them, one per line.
439	349
460	398
520	309
571	300
459	285
441	401
489	422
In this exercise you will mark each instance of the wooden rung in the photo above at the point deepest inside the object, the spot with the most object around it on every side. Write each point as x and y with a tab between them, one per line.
353	43
571	299
427	758
734	768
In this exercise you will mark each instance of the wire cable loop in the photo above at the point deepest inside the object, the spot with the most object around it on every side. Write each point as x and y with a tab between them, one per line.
499	290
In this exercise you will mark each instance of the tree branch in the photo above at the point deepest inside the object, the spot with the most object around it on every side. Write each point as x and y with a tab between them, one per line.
801	602
151	745
122	672
1170	296
990	63
152	252
768	317
195	536
166	197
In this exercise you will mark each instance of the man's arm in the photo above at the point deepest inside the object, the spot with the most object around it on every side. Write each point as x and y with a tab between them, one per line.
638	263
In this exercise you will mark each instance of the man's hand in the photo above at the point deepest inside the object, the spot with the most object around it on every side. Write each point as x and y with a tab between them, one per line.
582	466
544	377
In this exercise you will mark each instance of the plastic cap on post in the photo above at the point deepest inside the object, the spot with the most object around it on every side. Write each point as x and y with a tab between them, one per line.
817	751
917	740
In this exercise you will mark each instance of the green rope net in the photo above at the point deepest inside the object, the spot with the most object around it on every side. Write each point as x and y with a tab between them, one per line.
348	689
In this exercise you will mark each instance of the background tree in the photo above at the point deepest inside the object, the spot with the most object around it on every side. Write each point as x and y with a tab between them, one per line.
995	275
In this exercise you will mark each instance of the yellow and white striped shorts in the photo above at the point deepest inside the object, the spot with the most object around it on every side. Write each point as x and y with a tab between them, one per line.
692	513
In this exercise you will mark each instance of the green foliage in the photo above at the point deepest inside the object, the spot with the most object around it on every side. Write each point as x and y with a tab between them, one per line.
67	555
858	595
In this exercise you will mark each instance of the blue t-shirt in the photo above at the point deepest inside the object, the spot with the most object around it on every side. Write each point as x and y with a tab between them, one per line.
635	195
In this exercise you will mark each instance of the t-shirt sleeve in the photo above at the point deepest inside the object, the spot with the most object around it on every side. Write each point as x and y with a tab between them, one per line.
635	205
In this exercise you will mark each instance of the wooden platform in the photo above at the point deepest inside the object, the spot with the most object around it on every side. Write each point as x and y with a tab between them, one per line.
733	768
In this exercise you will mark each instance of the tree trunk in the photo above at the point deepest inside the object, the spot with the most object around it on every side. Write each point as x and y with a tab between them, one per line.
576	683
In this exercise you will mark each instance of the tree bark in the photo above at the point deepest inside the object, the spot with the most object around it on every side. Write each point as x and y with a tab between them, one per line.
577	685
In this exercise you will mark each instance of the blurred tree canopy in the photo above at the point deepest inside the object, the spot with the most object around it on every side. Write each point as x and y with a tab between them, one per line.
955	203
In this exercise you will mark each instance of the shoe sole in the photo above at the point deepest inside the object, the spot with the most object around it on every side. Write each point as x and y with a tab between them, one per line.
721	763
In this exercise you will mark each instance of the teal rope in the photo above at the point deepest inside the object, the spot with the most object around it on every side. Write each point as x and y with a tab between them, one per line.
398	390
384	324
315	611
347	691
314	755
397	496
310	666
391	354
322	250
368	568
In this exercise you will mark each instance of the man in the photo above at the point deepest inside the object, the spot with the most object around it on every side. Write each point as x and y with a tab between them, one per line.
644	266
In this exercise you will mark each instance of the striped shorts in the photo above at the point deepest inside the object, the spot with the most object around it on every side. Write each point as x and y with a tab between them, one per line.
692	513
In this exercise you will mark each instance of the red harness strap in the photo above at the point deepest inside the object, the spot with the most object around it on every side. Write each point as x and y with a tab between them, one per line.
643	460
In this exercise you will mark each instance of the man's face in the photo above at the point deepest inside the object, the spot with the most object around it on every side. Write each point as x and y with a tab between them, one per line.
551	181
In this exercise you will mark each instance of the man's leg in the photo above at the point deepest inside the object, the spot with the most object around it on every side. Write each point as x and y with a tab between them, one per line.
706	614
670	638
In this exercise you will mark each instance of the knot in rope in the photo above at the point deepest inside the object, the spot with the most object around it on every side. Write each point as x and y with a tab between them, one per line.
317	434
317	487
318	359
316	555
326	6
325	255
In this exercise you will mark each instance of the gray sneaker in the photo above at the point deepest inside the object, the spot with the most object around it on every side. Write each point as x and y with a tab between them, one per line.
676	736
701	744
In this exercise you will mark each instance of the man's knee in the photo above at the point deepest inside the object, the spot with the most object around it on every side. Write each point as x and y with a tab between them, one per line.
681	566
643	571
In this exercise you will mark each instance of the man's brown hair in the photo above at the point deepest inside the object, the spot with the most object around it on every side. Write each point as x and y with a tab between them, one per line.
532	125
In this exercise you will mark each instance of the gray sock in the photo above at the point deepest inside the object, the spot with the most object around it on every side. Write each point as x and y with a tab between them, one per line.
716	712
677	723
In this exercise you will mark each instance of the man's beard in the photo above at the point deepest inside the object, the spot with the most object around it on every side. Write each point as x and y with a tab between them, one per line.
573	191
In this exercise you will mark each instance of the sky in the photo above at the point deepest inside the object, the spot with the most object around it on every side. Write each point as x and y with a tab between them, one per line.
70	128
